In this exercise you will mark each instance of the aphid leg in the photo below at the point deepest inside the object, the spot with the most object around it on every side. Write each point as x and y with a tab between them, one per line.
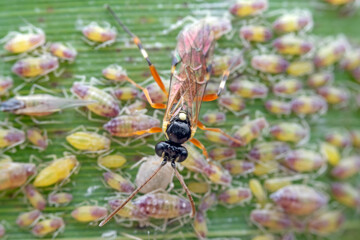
137	41
198	144
36	86
203	127
91	118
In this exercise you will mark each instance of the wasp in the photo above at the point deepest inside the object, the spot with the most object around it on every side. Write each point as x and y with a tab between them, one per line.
193	54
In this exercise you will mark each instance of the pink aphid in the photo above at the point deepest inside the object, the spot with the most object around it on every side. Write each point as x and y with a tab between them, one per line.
347	167
63	52
5	84
115	73
230	62
340	139
248	89
89	213
61	198
118	182
273	64
356	74
15	174
351	60
156	94
219	26
251	130
346	194
268	151
30	67
278	107
129	211
48	226
26	219
287	87
207	202
11	137
299	199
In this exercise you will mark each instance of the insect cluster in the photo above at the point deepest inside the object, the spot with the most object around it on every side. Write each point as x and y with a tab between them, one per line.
270	162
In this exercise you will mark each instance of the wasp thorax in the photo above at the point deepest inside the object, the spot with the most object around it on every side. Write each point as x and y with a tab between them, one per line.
178	130
171	152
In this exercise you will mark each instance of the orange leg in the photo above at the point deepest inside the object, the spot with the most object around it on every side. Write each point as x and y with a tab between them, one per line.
198	144
137	41
203	127
214	96
151	130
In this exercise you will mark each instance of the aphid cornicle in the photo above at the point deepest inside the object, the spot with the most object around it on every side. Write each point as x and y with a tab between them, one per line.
194	52
5	84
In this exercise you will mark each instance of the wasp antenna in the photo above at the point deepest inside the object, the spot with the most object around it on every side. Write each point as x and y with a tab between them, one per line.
118	20
103	222
183	184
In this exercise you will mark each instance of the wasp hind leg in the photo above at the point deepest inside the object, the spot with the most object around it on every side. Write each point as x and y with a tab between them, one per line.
214	96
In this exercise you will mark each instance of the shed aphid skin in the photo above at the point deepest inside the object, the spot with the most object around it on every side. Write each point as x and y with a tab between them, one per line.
255	33
346	194
63	52
48	226
326	222
38	138
248	89
235	195
10	137
89	142
57	171
247	8
238	167
347	167
35	198
39	104
320	79
300	68
272	64
295	21
307	199
104	105
89	213
31	68
118	182
5	84
193	53
13	174
27	219
278	107
102	36
222	154
29	38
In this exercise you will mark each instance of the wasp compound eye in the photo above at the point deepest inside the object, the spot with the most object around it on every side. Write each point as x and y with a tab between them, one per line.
160	148
183	153
178	131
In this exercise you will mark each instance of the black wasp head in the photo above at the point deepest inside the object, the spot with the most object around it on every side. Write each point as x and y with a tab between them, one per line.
179	130
11	105
171	152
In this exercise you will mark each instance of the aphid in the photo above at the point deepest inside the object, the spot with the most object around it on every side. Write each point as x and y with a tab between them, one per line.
258	191
88	141
13	174
128	211
246	8
274	184
264	237
56	171
334	95
287	87
104	104
2	231
186	93
233	103
255	33
307	105
278	107
160	181
347	167
326	222
289	132
235	195
248	89
299	199
61	198
217	174
132	125
338	138
20	42
268	151
330	53
115	73
136	106
272	219
118	182
11	137
214	118
112	161
320	79
48	226
155	93
126	93
356	74
5	159
221	154
198	187
300	68
35	198
355	138
330	153
231	61
5	84
351	60
250	130
264	168
346	194
339	2
220	138
26	219
31	67
200	226
273	64
105	35
303	160
292	45
293	22
35	136
39	104
219	26
89	213
238	167
208	201
64	52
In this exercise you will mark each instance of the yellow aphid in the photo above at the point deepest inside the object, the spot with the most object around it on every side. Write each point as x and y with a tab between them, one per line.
245	8
13	174
274	184
24	42
117	182
264	168
57	171
351	60
198	187
339	2
251	130
235	195
346	194
35	198
300	68
200	226
232	102
99	34
63	52
330	153
28	218
48	226
60	198
330	53
126	93
256	33
292	45
112	161
289	132
115	72
35	137
88	141
264	237
293	21
258	191
35	66
89	213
